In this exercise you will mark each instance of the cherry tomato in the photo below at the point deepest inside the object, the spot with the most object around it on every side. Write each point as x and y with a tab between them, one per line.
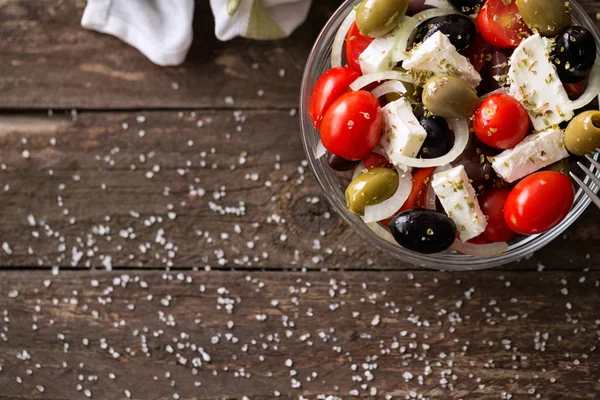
375	160
355	44
501	121
501	25
352	125
479	53
331	85
421	179
492	205
539	202
477	240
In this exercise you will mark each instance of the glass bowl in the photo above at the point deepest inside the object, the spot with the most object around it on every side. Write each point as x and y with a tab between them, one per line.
333	184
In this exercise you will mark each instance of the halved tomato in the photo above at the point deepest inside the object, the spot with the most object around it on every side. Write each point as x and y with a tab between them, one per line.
479	53
355	44
421	181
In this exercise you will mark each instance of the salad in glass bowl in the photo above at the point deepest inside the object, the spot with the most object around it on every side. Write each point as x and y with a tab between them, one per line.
450	124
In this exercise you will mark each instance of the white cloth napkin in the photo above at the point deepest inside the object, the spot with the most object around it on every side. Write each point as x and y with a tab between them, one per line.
162	29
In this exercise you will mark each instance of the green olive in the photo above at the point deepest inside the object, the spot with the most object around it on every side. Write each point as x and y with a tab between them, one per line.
449	97
582	136
548	17
376	18
371	187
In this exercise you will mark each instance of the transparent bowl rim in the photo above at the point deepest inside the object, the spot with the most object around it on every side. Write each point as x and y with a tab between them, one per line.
318	62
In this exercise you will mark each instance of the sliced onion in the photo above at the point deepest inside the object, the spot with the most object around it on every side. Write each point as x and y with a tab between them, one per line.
438	4
337	49
380	76
320	150
461	140
409	24
501	90
480	250
389	87
358	170
388	208
382	232
591	92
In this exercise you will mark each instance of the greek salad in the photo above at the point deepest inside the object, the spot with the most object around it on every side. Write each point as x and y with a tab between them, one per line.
457	118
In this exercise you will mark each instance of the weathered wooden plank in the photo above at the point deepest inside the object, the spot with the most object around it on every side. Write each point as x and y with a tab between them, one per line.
45	50
50	61
84	191
439	336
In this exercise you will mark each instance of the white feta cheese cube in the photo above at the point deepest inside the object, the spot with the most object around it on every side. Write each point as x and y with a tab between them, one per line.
377	56
437	56
536	151
403	134
460	201
535	83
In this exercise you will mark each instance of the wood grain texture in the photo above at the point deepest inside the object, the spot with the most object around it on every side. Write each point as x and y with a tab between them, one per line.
91	193
49	61
439	336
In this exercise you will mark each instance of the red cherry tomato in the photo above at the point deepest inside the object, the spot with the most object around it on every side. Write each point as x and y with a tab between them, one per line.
352	125
375	160
479	53
476	240
421	179
539	202
501	121
492	205
355	45
501	25
331	85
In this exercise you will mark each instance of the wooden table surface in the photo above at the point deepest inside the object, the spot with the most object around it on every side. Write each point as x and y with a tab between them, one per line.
163	238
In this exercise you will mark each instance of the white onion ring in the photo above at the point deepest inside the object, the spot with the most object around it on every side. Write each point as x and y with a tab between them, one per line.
409	24
497	91
389	87
443	4
388	208
591	92
382	232
320	150
380	76
338	43
479	250
359	169
461	140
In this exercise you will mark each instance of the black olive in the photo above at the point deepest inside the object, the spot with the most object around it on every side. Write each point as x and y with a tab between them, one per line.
416	6
440	138
498	69
476	160
338	163
574	54
460	30
467	6
423	231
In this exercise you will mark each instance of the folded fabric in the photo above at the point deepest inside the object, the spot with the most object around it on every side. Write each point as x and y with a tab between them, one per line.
162	29
256	19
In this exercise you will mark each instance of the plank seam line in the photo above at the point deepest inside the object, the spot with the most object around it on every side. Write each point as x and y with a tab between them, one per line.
67	110
275	270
